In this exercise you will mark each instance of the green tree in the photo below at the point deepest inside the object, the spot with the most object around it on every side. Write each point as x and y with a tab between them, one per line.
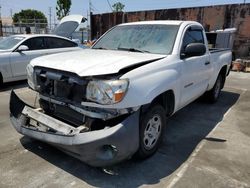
118	7
30	18
62	8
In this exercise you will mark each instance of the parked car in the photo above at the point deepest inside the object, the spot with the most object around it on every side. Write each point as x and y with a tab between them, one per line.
105	104
16	51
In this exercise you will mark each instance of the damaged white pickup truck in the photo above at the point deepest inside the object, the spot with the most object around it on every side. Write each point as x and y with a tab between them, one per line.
105	104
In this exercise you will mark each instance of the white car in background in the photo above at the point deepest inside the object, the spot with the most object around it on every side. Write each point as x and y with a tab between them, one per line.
17	51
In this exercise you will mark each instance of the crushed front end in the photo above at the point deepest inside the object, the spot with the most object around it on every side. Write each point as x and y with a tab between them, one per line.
97	136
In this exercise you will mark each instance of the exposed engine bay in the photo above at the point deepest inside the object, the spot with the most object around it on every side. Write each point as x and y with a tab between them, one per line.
61	95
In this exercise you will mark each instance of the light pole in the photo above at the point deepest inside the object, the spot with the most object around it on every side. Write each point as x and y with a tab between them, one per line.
1	31
89	20
50	14
0	12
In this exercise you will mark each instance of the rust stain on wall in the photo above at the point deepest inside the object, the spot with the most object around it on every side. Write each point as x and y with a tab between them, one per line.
211	17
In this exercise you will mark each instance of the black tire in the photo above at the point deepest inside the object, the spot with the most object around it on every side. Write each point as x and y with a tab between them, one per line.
213	95
152	123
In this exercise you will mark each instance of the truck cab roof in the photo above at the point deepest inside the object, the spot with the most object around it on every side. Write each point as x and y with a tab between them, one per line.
162	22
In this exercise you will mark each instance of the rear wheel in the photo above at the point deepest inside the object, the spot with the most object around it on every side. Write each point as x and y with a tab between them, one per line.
213	95
152	124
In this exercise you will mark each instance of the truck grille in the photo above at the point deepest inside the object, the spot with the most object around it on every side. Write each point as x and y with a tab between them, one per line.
62	85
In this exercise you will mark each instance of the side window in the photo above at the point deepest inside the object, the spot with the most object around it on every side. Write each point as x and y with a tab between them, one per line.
59	43
35	43
192	36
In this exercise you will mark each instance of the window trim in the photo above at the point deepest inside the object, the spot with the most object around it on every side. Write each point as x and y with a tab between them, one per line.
191	28
15	50
46	39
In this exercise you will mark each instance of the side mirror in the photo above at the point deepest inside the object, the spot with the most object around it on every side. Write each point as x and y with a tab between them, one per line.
194	49
22	48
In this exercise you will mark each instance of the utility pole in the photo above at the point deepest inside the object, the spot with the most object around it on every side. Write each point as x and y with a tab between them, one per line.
50	8
89	21
88	25
54	21
11	15
0	12
1	31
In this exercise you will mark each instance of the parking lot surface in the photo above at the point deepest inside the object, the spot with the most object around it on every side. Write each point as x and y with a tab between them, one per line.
204	146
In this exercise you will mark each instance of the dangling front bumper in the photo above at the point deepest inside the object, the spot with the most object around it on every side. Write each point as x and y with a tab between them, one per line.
97	148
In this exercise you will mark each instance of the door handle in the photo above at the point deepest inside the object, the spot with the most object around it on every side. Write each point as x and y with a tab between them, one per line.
207	63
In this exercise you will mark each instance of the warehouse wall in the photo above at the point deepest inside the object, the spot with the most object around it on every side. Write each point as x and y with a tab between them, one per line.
211	17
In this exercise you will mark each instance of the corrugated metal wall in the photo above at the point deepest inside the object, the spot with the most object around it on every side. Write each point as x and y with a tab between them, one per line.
212	18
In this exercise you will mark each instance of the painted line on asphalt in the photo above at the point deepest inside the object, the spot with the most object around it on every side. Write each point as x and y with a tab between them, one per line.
184	167
240	89
222	177
23	90
5	93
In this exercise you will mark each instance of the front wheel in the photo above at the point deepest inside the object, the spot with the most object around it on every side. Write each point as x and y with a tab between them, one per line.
152	124
213	95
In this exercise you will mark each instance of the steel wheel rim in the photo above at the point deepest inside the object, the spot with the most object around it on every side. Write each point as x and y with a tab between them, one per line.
152	132
217	88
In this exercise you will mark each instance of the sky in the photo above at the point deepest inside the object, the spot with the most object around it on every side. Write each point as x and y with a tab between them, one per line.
102	6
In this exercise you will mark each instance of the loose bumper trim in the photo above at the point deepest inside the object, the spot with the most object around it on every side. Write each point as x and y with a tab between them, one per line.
97	148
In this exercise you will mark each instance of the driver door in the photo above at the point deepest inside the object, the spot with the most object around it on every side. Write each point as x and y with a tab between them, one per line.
195	70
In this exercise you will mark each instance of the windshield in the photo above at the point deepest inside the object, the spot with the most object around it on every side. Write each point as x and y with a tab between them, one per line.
10	42
158	39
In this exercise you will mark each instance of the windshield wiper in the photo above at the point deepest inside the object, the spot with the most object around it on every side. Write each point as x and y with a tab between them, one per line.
133	50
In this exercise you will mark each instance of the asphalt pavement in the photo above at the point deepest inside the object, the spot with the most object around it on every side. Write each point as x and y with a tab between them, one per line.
204	146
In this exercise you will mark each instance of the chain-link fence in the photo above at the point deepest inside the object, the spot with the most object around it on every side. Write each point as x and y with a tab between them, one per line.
37	26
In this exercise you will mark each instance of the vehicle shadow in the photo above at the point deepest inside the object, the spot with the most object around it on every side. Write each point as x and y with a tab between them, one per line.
184	132
13	85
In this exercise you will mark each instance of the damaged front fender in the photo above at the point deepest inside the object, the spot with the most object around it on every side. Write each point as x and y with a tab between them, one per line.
97	148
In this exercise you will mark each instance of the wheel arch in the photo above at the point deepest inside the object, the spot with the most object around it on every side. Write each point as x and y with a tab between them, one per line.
166	99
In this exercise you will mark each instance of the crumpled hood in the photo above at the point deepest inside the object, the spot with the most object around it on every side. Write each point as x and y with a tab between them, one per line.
91	62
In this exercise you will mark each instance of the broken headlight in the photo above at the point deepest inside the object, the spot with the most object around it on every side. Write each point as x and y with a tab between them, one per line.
30	76
107	91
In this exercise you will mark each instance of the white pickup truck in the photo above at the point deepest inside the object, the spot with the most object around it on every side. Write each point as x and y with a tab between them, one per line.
105	104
